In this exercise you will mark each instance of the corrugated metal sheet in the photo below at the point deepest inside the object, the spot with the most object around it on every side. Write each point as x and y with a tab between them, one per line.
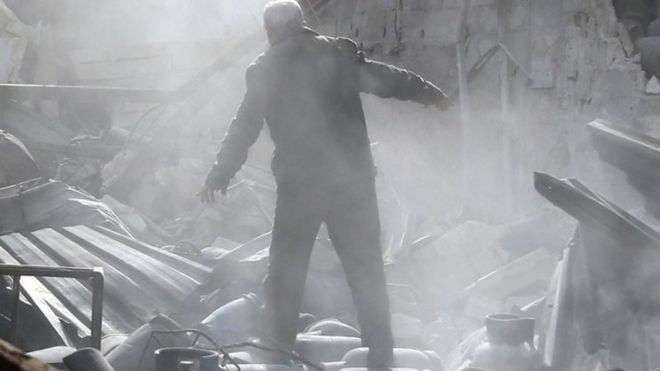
140	280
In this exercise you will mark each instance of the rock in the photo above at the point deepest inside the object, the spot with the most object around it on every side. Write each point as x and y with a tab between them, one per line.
653	86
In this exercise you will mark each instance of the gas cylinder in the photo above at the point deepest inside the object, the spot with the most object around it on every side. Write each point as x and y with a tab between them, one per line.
174	359
510	344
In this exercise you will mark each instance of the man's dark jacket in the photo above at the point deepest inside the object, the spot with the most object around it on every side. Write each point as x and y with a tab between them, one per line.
307	88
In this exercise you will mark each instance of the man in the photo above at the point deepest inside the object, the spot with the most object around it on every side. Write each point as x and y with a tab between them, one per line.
635	15
306	87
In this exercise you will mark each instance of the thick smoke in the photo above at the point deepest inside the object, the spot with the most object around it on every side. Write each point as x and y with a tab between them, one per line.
424	187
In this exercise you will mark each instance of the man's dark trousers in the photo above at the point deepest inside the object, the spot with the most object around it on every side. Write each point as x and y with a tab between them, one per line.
350	210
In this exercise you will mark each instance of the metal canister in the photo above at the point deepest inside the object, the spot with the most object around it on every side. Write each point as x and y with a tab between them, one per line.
186	359
510	345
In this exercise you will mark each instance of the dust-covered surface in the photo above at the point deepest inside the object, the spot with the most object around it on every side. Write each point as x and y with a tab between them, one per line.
465	233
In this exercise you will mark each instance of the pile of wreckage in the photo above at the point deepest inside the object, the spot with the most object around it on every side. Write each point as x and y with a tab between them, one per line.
108	262
78	273
76	276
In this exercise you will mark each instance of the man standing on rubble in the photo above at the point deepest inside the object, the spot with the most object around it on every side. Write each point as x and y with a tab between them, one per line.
307	87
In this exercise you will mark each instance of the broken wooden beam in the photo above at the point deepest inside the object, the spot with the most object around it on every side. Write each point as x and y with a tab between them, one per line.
86	93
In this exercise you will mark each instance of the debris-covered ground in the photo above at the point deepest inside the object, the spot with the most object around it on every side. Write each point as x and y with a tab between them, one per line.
519	234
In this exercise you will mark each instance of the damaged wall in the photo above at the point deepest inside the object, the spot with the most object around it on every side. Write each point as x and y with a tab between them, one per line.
569	61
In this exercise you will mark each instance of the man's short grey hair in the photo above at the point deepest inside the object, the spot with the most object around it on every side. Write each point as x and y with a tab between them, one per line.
280	13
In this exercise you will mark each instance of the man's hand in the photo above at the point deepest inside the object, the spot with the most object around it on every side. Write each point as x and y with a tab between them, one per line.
206	194
215	180
445	103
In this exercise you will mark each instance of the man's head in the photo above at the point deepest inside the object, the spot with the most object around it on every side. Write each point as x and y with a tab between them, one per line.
282	18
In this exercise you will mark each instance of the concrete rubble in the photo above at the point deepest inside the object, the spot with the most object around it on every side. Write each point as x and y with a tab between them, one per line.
102	148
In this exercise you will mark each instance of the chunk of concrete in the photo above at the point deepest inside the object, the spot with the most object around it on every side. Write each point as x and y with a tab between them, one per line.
653	86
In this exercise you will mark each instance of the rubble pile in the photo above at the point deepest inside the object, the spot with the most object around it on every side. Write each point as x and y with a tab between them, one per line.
430	312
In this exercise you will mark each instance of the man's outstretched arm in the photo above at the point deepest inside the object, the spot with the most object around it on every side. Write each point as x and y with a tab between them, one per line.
387	81
241	135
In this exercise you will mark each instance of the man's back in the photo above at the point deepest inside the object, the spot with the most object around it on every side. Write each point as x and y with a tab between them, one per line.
307	88
312	107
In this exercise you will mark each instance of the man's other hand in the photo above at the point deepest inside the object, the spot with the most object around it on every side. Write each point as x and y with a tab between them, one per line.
215	180
445	103
206	194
